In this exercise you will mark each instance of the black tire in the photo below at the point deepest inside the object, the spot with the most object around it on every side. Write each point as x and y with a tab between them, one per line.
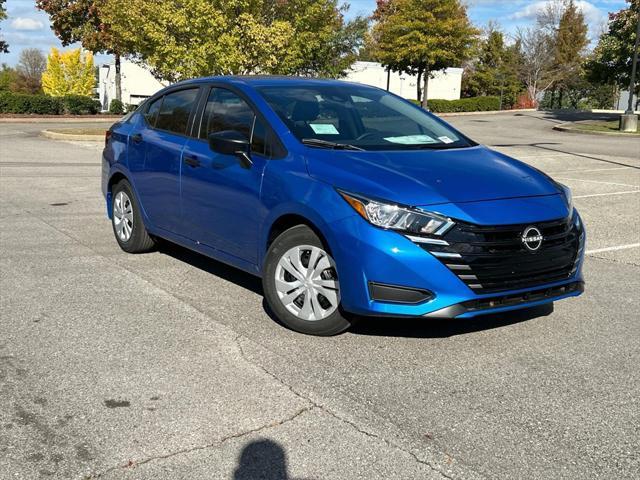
140	241
296	236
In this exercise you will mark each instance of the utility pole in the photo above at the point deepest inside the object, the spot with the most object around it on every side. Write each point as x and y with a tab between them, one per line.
501	89
629	121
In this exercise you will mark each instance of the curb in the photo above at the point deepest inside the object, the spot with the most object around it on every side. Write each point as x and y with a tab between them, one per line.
488	112
53	119
592	110
568	128
71	136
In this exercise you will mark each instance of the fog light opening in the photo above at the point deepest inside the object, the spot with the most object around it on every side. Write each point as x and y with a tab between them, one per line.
381	292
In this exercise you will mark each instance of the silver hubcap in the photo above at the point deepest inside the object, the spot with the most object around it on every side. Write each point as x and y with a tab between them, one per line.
307	283
123	216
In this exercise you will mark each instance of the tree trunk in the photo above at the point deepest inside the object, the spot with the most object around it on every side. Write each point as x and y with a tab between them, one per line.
118	79
425	90
553	98
419	85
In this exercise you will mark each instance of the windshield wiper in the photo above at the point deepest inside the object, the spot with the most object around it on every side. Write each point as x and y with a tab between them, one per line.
316	142
439	146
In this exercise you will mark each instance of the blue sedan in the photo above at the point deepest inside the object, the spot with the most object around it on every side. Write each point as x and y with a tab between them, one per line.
346	200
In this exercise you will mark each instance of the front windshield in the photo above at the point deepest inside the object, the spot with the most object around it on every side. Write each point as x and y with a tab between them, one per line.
358	117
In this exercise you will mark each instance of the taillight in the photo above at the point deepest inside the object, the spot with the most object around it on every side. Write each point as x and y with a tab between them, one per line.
107	136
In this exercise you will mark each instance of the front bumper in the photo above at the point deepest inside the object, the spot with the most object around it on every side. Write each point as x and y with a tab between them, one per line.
367	255
503	303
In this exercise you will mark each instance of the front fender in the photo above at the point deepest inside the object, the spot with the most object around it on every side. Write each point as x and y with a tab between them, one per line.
316	193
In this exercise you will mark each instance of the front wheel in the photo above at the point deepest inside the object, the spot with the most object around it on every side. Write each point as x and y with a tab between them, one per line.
301	285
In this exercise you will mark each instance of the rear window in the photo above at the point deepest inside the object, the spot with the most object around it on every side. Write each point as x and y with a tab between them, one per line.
175	111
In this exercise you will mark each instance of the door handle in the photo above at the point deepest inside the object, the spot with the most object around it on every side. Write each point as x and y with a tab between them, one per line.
137	138
192	161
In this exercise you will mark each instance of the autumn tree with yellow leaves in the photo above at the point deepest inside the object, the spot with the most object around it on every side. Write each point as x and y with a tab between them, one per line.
69	73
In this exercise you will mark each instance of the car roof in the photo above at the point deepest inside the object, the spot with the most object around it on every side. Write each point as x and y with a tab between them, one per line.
267	81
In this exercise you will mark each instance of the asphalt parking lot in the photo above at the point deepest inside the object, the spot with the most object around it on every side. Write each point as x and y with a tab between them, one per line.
166	365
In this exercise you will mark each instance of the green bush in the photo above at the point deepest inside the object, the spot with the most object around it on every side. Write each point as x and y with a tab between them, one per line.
116	107
79	105
46	105
131	107
30	104
473	104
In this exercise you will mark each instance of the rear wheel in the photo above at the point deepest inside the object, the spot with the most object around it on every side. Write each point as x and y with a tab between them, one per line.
301	285
126	219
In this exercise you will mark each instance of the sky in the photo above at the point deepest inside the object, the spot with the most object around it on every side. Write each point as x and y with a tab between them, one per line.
27	27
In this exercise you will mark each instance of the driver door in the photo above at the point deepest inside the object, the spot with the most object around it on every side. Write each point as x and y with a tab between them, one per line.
220	197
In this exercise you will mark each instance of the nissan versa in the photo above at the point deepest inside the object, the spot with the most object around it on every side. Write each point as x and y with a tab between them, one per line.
347	200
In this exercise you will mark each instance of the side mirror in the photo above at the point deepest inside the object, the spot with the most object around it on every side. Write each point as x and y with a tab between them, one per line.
232	142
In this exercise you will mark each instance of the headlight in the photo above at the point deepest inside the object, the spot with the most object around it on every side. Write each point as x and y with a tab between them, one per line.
566	191
395	217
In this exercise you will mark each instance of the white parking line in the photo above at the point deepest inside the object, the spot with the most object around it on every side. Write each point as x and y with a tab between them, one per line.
590	170
598	181
611	249
606	194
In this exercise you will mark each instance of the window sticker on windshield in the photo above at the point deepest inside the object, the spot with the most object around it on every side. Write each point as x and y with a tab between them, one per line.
411	139
324	129
445	139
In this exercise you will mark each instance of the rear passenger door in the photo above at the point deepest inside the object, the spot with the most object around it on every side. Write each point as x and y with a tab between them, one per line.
221	198
156	154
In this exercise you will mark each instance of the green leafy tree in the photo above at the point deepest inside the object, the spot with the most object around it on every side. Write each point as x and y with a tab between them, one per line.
8	78
422	37
83	21
4	47
495	70
570	44
610	63
180	39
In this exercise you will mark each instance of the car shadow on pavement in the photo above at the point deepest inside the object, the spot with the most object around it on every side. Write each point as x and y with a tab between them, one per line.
443	328
209	265
262	459
378	326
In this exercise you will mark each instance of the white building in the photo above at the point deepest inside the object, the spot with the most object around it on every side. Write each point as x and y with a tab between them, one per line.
138	83
444	85
622	101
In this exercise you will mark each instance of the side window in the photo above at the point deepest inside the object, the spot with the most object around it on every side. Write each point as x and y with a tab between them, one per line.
152	113
175	111
226	111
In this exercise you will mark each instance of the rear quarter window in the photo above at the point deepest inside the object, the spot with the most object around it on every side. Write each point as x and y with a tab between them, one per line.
151	115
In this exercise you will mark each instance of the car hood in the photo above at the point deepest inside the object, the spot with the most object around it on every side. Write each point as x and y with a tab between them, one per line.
429	177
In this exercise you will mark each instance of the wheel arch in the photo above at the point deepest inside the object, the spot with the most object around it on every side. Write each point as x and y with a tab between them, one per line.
287	221
116	177
284	222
